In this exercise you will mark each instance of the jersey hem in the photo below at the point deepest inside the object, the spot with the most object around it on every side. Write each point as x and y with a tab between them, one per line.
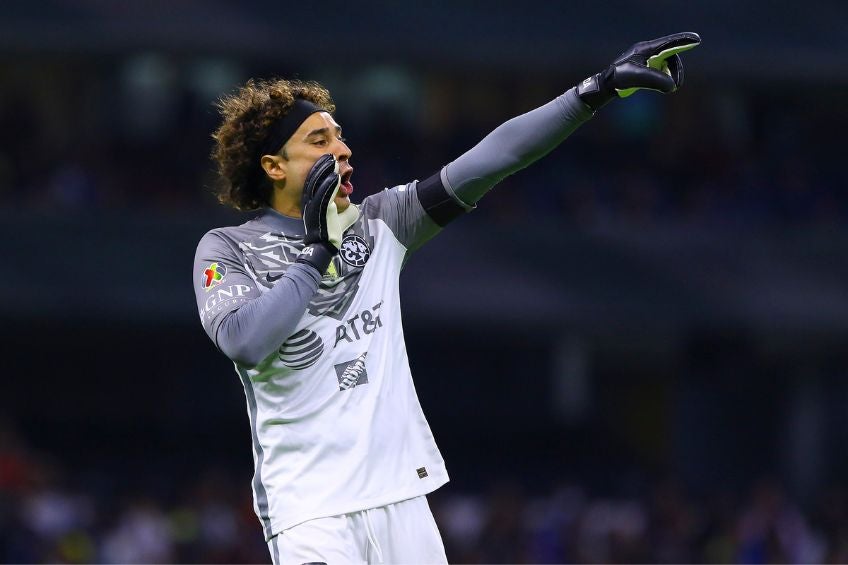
364	505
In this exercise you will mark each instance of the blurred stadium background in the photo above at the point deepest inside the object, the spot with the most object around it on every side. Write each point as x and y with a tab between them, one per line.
633	351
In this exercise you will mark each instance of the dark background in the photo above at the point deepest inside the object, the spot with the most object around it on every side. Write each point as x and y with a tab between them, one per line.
633	351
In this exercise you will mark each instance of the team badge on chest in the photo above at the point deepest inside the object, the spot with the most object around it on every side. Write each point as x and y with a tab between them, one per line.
354	251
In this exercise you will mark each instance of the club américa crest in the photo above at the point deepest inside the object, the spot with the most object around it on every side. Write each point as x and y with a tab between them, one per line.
354	251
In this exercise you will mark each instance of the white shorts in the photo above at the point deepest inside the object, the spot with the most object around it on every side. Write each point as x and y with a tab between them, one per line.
404	532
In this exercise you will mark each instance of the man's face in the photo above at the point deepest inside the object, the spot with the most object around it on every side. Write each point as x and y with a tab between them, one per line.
318	135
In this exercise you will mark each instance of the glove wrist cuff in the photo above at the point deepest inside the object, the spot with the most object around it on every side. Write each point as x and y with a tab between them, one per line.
318	255
594	91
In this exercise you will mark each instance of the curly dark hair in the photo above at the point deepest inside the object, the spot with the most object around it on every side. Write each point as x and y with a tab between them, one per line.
247	114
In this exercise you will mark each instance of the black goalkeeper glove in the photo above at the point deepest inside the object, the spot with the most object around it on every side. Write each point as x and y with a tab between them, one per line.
654	65
320	213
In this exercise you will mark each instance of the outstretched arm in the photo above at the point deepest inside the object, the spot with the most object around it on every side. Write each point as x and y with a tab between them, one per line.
417	211
513	146
653	65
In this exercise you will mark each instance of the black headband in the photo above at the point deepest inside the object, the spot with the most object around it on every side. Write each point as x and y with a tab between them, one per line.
281	130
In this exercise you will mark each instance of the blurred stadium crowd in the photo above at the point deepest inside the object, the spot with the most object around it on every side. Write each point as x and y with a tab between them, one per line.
46	516
134	134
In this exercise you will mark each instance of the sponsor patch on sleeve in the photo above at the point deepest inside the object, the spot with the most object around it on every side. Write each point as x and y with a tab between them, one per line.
213	275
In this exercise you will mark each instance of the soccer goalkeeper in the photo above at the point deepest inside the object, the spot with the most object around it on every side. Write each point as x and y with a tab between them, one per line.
303	298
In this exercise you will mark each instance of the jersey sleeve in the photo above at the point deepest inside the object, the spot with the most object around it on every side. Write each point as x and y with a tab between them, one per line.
221	282
417	211
514	145
245	324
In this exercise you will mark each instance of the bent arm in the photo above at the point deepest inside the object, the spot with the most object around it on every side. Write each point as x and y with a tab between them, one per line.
513	146
255	330
246	324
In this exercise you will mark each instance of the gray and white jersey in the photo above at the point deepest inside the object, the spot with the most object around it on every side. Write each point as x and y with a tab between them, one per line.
336	423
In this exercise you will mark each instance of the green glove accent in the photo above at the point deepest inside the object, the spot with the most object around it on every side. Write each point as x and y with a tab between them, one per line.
659	62
338	222
652	65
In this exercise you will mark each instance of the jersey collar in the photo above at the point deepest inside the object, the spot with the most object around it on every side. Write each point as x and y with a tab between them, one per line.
285	224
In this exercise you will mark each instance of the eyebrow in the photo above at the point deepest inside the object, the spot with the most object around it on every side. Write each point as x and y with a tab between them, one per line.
323	131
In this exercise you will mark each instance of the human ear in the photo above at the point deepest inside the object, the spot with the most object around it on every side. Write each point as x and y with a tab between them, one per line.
274	167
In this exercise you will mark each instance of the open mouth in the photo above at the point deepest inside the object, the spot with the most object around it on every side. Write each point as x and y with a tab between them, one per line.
346	186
